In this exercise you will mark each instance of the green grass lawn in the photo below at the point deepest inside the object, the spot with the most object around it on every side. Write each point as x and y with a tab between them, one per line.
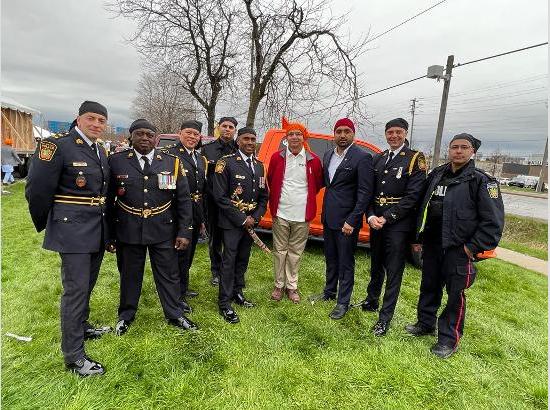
506	188
526	235
281	355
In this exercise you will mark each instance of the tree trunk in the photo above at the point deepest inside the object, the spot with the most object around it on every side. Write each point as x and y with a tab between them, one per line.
252	110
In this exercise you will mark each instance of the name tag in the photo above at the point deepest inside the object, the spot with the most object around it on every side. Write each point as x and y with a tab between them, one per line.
240	177
122	177
80	164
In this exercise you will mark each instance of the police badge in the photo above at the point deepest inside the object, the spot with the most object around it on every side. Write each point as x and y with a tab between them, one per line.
239	190
492	188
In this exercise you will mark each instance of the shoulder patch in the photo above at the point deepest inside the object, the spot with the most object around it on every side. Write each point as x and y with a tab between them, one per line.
421	162
220	166
492	188
47	150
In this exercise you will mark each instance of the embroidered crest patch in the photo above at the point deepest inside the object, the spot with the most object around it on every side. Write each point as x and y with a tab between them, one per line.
220	166
492	188
421	162
47	150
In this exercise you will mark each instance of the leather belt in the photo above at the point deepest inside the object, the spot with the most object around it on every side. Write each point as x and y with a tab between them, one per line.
244	206
196	197
144	212
80	200
387	200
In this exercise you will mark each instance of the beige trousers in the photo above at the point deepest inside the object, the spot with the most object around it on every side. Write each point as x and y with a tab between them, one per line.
289	242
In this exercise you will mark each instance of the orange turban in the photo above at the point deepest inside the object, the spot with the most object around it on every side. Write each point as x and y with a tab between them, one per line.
294	126
8	141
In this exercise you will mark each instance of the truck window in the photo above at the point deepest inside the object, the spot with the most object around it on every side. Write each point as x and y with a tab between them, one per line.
318	145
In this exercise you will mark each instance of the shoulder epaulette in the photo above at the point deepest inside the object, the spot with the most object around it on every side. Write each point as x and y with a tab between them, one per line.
485	174
58	135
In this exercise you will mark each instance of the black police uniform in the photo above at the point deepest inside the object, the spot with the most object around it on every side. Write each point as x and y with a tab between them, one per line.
151	207
457	209
195	166
66	189
213	151
238	192
398	184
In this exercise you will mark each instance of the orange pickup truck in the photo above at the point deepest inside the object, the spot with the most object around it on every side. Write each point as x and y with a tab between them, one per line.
319	144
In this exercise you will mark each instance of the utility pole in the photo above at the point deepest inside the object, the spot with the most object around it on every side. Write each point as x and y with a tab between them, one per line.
543	168
413	108
443	109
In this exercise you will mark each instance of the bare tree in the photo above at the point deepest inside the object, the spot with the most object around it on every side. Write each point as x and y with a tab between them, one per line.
191	38
291	56
162	101
299	58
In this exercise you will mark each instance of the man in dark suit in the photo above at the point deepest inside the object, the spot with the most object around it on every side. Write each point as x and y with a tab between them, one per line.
349	179
213	151
195	167
151	211
400	175
66	189
240	191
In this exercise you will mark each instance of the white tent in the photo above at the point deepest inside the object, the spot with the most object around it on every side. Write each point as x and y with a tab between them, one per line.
39	132
10	103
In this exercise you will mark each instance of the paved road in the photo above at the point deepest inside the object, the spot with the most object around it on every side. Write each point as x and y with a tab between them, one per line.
526	206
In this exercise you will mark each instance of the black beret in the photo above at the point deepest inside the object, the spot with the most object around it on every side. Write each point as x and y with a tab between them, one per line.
230	119
142	123
246	130
196	125
397	122
92	106
468	137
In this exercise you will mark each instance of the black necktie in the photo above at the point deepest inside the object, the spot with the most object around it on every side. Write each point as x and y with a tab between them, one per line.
250	165
146	165
390	157
94	148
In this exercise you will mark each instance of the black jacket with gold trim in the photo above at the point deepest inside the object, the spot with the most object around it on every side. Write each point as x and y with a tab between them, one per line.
148	207
398	185
238	192
66	189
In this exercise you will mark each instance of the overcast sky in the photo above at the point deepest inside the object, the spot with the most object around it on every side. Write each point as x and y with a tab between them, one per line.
57	53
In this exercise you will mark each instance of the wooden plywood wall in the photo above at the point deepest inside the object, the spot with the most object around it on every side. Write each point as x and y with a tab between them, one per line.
17	125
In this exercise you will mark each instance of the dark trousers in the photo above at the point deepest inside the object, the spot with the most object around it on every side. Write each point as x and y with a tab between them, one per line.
236	253
215	238
185	259
388	252
449	268
79	273
340	263
131	265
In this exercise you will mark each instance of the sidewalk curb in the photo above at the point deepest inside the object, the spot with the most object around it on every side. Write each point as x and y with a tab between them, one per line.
530	195
524	261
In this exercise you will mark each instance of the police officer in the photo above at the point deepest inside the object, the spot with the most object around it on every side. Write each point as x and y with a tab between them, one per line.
195	166
400	173
151	211
241	194
66	189
213	151
461	215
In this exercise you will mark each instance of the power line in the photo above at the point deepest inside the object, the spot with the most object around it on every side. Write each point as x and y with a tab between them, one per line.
406	21
500	55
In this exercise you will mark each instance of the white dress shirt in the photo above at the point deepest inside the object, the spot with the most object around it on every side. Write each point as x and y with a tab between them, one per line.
292	203
335	161
149	157
191	152
395	153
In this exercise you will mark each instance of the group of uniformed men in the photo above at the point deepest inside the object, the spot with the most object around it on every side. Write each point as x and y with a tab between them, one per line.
146	199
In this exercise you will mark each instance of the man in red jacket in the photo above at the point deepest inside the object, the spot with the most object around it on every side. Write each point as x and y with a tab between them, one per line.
294	176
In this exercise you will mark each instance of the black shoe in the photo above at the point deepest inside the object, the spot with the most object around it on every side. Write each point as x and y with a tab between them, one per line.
183	323
191	294
338	312
369	306
239	299
419	329
229	315
86	367
380	328
185	307
320	297
215	281
122	327
96	332
442	351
